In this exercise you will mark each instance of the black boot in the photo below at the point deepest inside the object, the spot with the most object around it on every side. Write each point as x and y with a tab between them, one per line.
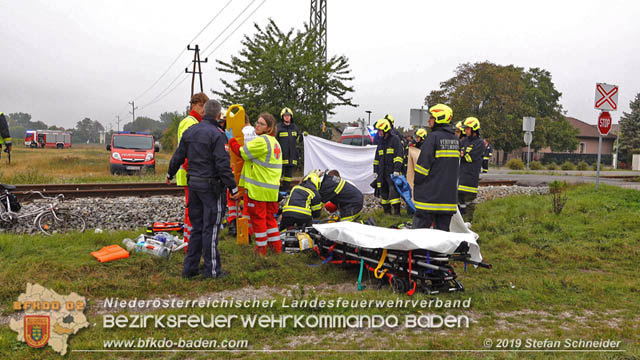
396	209
386	208
233	231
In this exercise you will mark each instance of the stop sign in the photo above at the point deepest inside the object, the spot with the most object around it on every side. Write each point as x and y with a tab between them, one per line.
604	123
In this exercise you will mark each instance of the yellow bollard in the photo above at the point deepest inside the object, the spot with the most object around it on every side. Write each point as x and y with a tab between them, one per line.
242	226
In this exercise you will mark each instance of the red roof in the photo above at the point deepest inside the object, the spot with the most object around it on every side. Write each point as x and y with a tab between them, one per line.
587	130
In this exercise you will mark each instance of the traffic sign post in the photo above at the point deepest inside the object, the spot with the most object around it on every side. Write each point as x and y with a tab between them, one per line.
528	126
604	126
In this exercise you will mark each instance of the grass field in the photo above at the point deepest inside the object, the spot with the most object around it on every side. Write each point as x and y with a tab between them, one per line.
84	163
555	277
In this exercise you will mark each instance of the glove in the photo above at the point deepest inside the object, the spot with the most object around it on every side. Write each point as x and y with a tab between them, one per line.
305	133
395	173
229	134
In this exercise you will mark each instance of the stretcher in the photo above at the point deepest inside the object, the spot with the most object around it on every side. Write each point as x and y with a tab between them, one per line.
408	259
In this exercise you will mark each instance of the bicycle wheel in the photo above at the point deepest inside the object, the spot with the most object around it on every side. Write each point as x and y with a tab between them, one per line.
63	221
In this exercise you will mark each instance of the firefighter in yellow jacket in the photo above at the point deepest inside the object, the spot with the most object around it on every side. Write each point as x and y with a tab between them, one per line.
261	177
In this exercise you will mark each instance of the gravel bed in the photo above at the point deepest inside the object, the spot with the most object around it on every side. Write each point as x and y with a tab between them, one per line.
133	212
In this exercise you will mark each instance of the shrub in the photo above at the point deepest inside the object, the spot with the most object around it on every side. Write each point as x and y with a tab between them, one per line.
582	165
567	165
552	166
515	164
558	198
535	165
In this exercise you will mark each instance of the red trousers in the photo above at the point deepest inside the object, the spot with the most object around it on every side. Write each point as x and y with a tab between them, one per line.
265	225
187	222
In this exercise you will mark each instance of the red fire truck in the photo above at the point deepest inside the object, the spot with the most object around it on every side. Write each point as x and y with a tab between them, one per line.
132	152
47	138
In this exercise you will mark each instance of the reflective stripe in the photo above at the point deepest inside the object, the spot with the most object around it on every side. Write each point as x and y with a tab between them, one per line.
259	162
294	133
376	162
394	201
380	152
259	183
467	157
261	242
297	209
390	151
283	134
397	159
285	162
317	207
379	184
352	217
447	153
273	239
269	152
485	158
385	202
286	178
420	170
294	162
272	230
261	235
467	189
339	187
435	207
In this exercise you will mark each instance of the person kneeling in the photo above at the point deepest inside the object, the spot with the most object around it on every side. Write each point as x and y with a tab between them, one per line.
303	204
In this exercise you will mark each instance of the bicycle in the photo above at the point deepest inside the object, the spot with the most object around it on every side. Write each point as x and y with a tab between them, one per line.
48	218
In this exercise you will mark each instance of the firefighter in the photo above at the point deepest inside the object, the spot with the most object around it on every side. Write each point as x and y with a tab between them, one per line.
403	141
419	137
343	194
288	135
388	161
471	153
261	174
436	172
195	116
5	137
459	130
209	173
303	204
488	154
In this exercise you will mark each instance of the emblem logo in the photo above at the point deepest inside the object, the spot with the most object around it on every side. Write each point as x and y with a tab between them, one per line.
36	330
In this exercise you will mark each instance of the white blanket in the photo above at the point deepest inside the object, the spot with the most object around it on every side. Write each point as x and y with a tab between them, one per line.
374	237
355	163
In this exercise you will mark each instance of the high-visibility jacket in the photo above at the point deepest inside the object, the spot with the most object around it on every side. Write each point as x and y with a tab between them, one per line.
388	158
436	172
288	136
303	202
470	164
5	137
181	175
488	154
262	168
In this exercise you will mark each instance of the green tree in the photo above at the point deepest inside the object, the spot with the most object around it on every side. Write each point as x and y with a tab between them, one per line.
167	117
630	131
87	130
275	69
500	96
145	124
169	139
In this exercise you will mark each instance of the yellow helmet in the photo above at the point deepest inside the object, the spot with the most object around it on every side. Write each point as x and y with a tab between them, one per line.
384	125
473	123
391	119
315	179
286	111
459	126
442	113
421	133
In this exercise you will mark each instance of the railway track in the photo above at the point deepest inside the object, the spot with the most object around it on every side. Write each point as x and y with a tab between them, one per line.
71	191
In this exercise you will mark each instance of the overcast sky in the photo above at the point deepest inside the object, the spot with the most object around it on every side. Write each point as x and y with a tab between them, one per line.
65	60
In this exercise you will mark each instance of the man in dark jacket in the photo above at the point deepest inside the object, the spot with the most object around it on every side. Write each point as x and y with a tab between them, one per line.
472	149
209	175
5	137
288	135
388	161
403	141
488	154
342	194
436	173
419	137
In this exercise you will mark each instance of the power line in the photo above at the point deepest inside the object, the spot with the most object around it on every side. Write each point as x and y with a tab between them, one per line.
164	93
237	27
228	26
182	52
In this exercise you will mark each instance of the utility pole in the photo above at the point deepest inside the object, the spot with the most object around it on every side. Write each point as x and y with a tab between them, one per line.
132	112
118	117
318	23
196	60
